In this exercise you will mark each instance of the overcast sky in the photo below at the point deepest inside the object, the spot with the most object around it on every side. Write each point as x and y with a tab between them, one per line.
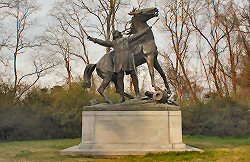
95	51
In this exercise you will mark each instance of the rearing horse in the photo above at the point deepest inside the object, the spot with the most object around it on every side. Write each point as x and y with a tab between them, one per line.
148	49
144	50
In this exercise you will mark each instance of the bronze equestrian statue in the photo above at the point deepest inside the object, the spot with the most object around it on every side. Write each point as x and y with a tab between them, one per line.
144	50
123	60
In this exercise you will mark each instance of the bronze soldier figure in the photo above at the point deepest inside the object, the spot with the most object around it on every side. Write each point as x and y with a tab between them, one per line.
123	59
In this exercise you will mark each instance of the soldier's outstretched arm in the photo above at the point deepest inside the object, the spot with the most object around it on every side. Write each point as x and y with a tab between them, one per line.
101	42
138	35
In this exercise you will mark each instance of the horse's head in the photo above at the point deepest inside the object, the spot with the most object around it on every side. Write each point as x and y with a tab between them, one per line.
144	14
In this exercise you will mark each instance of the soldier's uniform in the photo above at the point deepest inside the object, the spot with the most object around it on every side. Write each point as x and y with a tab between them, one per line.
123	58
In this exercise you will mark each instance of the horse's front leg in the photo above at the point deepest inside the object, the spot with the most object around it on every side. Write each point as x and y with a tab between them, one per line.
161	72
150	61
135	83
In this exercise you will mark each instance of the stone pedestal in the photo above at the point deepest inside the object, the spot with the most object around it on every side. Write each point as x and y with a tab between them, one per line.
123	132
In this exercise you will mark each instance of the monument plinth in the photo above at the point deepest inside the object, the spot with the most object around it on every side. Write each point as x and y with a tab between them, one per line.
135	127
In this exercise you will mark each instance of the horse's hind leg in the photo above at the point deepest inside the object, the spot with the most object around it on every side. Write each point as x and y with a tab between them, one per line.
103	86
161	72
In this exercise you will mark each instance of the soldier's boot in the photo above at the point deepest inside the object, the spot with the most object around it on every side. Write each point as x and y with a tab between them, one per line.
120	84
135	84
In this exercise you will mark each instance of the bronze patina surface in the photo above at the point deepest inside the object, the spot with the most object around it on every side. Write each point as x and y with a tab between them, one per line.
142	48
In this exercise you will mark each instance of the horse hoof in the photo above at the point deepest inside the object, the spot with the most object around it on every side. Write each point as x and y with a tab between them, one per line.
122	100
168	91
138	96
86	85
109	102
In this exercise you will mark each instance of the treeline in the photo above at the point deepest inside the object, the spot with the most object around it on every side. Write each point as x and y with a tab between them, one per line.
44	113
217	117
56	113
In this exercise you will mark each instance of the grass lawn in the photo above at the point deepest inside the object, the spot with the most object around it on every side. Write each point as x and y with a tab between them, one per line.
215	149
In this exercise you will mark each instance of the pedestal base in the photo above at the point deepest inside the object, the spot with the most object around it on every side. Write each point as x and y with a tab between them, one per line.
128	149
130	132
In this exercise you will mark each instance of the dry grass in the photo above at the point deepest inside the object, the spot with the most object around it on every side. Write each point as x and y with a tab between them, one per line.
215	149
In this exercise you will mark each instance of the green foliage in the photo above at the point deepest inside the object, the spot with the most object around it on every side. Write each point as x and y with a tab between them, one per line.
56	113
219	117
6	95
67	107
45	113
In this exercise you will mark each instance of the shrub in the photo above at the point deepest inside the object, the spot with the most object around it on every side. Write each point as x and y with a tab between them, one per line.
56	113
217	118
45	113
29	118
67	108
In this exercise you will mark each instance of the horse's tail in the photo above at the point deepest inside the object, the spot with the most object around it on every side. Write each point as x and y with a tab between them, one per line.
87	75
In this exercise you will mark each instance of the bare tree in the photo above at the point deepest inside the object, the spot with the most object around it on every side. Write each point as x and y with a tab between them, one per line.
22	13
4	43
142	3
41	68
20	17
71	19
243	38
4	36
219	17
229	23
59	44
176	23
217	29
104	12
77	18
